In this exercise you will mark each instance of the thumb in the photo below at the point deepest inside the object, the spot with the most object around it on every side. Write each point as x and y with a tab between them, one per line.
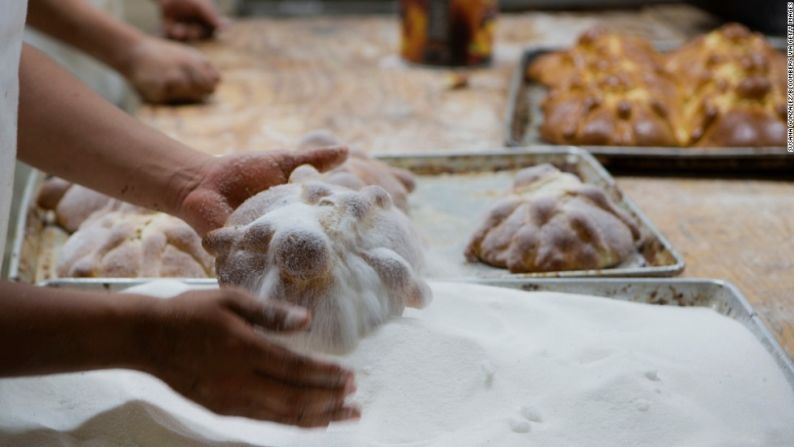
205	210
323	158
270	315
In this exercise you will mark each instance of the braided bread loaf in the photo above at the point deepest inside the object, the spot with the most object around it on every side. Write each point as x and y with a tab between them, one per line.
74	204
726	88
734	89
134	244
607	90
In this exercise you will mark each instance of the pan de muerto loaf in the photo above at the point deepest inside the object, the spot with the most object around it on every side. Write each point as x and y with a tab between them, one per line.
734	89
74	204
551	222
134	244
358	171
351	257
609	89
596	50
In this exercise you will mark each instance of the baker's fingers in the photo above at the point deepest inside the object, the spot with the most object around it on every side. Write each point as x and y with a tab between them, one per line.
199	81
296	401
273	316
212	73
281	364
181	87
303	420
208	15
323	158
205	210
155	93
320	420
175	30
196	31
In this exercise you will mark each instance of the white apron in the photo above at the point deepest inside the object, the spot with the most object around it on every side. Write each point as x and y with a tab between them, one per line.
12	23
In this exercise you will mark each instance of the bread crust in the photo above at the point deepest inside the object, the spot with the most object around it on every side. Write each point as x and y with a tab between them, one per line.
725	88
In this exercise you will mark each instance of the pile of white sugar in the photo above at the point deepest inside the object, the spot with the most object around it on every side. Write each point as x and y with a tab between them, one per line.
479	366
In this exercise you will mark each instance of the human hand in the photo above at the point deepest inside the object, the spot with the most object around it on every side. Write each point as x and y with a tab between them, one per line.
205	345
189	19
227	182
166	72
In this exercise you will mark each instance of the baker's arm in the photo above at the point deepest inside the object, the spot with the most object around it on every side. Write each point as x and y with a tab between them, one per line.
67	130
44	331
159	70
203	344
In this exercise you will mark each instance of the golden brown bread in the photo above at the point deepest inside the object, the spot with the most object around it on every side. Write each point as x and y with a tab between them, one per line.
611	109
725	88
609	89
134	244
734	89
595	51
551	221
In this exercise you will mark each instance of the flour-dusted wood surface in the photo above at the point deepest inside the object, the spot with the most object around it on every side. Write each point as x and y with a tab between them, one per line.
285	77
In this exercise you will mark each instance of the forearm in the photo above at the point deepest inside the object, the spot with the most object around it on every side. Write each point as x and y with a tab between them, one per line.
87	28
46	330
67	130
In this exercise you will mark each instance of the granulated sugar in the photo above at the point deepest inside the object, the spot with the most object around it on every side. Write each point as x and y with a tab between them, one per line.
481	366
485	365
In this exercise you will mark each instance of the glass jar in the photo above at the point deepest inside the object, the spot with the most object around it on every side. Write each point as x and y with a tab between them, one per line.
448	32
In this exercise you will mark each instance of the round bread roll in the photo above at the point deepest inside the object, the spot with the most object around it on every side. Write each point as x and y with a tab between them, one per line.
350	257
132	244
553	222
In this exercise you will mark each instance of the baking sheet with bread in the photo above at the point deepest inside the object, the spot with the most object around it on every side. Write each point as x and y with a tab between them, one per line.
722	89
562	194
714	104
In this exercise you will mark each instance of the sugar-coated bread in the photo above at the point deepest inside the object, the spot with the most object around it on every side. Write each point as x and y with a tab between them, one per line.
133	244
74	204
358	171
551	221
350	256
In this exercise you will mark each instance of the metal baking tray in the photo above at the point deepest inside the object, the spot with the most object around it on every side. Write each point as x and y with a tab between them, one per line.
32	257
523	123
454	192
721	296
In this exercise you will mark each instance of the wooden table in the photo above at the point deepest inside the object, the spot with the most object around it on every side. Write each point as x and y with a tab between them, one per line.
285	77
